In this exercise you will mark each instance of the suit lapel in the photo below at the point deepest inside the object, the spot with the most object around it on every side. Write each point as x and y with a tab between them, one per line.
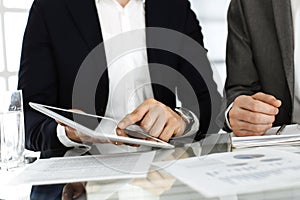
284	28
150	22
84	14
157	15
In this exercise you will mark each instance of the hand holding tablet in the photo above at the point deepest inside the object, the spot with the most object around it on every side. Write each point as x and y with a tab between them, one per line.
88	130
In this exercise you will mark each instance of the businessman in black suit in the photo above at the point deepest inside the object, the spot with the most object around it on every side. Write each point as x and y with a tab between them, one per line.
262	85
58	37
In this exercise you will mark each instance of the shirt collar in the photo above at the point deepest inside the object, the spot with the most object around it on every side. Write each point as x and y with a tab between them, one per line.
144	1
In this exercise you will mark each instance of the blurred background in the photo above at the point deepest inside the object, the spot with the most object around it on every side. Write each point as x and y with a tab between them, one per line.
14	14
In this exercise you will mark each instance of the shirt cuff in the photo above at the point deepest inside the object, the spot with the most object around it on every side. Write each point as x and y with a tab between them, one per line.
67	142
192	121
227	116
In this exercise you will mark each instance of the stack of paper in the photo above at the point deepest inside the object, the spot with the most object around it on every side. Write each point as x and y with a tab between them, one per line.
240	172
289	135
86	168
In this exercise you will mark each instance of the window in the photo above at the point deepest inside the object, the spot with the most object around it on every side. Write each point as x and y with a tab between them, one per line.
13	19
22	4
212	15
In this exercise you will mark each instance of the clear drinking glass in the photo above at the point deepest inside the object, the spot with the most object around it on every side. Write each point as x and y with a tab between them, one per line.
11	129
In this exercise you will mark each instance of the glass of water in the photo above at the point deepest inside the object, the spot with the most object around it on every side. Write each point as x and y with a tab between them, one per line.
12	139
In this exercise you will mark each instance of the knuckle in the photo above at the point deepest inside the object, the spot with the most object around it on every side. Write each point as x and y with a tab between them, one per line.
172	120
145	125
268	119
269	98
270	126
179	130
242	98
271	109
163	137
255	118
256	129
245	127
253	106
233	113
238	100
233	124
154	133
251	118
238	133
135	116
151	100
272	118
134	113
129	116
162	106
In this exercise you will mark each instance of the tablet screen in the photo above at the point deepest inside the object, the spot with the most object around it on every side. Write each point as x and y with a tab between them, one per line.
99	126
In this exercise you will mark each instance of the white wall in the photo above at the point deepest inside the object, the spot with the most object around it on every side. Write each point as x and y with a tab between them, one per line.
212	15
13	18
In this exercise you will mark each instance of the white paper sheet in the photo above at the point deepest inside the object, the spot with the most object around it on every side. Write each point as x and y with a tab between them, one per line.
289	135
86	168
239	172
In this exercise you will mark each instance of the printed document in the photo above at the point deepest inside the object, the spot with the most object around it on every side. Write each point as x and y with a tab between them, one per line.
245	171
86	168
289	135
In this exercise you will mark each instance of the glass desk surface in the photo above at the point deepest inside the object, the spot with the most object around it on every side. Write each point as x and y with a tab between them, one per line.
158	184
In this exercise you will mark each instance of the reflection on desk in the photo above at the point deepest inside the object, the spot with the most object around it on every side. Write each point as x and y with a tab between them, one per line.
240	172
156	185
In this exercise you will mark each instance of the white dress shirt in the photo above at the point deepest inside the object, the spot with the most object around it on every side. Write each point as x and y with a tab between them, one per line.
129	77
296	22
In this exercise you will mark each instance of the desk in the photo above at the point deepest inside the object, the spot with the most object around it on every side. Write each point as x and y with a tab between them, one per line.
159	184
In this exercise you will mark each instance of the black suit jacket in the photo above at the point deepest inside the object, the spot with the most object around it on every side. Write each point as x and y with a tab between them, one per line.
260	52
59	36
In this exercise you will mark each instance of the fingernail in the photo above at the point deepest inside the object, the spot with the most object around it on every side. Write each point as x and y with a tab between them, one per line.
279	102
118	132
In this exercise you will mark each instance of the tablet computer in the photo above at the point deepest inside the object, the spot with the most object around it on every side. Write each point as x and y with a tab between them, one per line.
89	127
